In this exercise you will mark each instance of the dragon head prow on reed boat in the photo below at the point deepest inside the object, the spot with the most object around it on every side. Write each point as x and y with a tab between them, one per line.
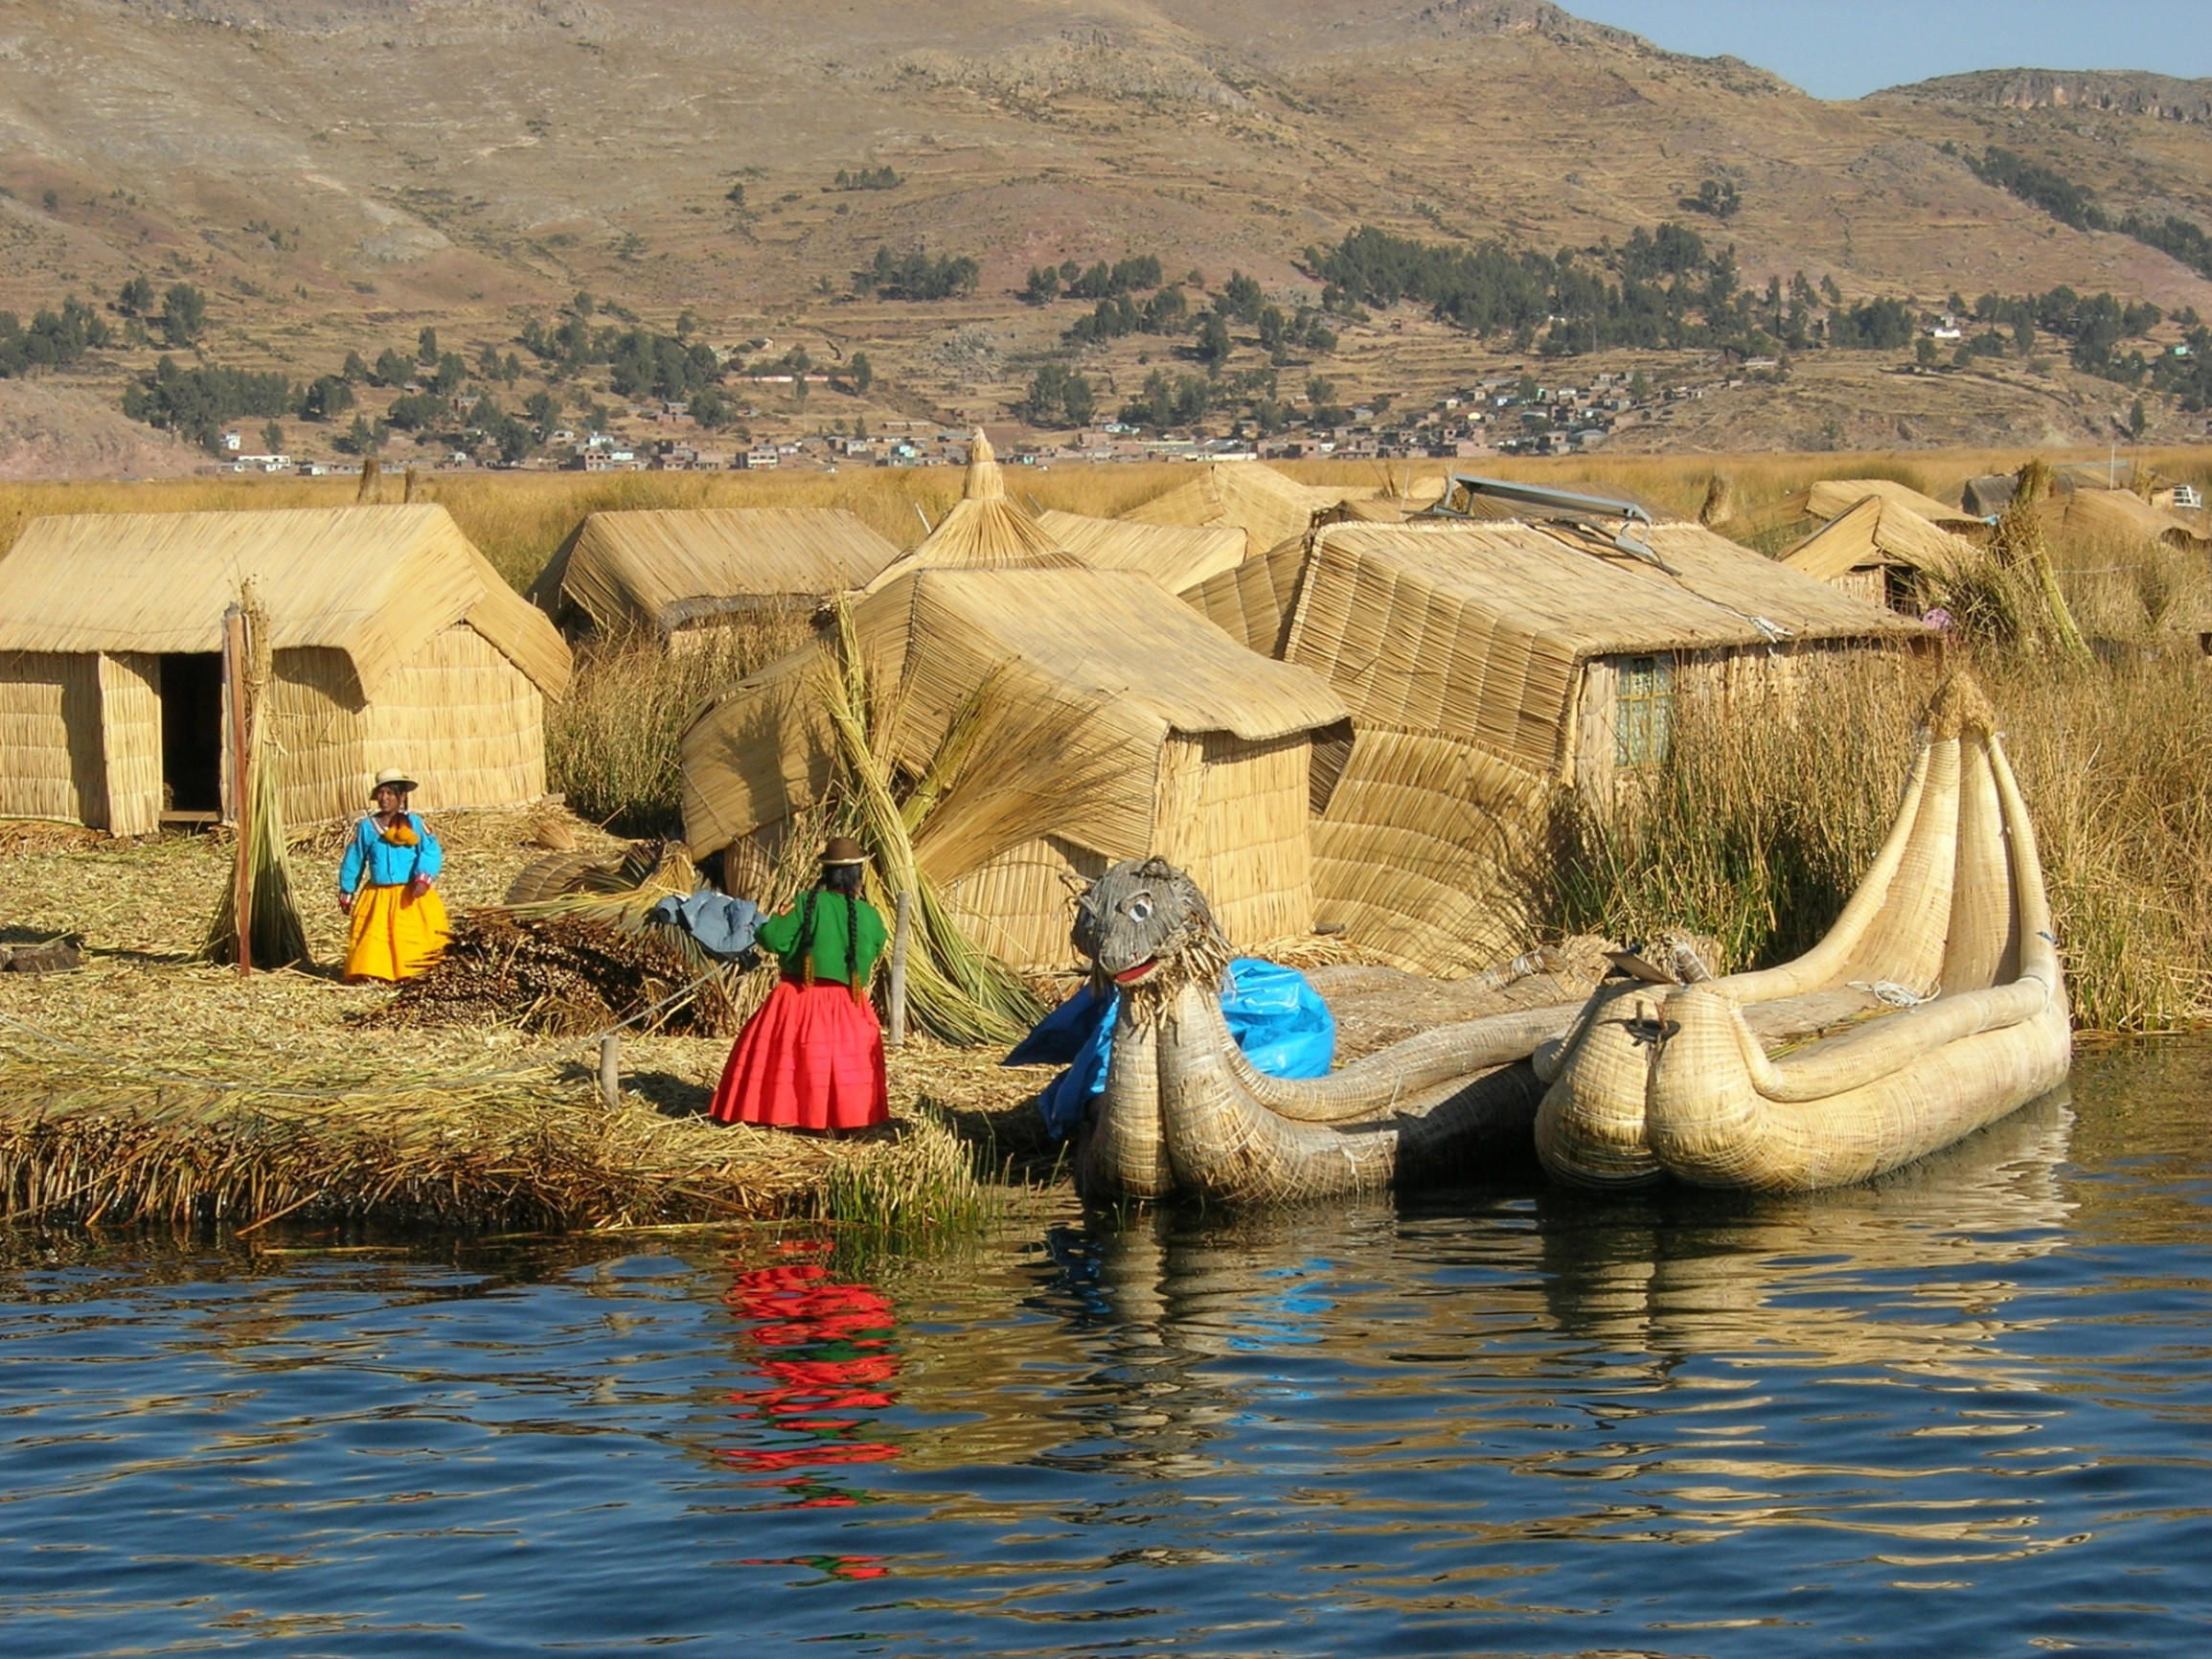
1942	972
1184	1113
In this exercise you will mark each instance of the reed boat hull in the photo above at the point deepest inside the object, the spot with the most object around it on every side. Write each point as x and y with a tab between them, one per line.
1184	1114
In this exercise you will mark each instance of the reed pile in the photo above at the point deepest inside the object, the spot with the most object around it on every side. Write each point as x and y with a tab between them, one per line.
563	976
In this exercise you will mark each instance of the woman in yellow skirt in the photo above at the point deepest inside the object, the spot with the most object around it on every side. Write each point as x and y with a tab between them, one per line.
400	923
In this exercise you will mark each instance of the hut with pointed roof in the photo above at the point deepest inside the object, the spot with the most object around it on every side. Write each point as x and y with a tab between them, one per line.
1179	557
396	643
986	529
1880	552
677	572
1488	665
1115	721
1249	496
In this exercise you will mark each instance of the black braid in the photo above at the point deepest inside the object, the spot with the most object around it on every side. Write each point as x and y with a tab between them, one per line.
805	945
853	944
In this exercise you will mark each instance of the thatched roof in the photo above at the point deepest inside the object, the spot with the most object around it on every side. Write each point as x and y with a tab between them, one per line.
2123	515
1480	632
1108	652
375	582
1879	532
986	529
1268	507
1834	497
1176	555
662	569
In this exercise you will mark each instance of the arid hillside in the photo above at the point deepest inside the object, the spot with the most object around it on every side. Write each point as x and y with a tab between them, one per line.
336	174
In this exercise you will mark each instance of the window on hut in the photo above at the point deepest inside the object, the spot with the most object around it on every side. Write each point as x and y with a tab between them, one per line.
1643	710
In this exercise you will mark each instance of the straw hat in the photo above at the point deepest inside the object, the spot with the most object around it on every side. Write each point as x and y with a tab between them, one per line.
844	850
393	777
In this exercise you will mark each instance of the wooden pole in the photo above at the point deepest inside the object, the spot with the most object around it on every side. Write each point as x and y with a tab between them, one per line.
901	929
610	1070
235	647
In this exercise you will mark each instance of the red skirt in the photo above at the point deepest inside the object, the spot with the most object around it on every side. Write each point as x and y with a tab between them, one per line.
811	1059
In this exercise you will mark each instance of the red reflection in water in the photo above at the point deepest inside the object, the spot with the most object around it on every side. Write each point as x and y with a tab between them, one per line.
823	1350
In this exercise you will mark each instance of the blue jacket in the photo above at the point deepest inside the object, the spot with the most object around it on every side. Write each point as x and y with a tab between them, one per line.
387	865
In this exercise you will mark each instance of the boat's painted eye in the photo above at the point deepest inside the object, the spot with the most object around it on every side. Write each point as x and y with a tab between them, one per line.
1140	909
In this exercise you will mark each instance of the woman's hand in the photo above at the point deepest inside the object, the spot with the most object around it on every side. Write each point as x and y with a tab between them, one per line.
418	886
345	904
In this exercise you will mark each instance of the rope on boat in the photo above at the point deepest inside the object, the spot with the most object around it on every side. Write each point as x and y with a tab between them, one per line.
425	1085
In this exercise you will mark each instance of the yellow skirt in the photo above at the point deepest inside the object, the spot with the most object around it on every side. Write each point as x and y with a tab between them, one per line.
395	936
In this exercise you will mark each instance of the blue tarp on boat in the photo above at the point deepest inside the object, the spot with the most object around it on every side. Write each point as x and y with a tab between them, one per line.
1278	1019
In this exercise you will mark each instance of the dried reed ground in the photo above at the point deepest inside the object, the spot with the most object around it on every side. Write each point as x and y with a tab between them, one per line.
79	1136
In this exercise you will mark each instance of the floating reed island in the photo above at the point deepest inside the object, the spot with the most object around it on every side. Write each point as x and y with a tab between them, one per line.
1608	723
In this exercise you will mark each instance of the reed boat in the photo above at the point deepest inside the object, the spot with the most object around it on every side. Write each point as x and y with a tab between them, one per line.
1940	986
1184	1114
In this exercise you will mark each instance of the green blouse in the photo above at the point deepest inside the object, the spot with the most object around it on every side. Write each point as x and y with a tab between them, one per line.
780	934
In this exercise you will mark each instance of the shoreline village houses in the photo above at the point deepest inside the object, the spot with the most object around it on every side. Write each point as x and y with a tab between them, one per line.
679	571
1488	665
1101	718
396	642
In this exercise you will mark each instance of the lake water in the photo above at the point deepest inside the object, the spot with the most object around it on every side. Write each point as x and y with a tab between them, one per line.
1966	1412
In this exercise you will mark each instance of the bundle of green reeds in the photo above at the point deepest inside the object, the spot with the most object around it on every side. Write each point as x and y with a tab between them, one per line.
958	991
275	935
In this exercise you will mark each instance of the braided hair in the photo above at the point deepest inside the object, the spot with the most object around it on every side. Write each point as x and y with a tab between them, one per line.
843	879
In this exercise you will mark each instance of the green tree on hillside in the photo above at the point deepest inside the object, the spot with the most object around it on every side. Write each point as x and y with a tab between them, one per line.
183	314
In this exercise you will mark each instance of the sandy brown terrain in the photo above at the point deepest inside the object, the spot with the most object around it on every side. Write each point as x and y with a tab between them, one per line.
337	173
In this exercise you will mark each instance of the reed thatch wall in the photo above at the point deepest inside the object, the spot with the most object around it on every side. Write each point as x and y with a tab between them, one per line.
1252	602
1425	851
675	571
395	644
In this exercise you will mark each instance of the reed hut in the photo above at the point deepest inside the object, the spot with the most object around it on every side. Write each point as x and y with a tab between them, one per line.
1246	496
2120	516
679	571
1832	498
396	643
986	529
1880	553
1115	722
1487	667
1179	557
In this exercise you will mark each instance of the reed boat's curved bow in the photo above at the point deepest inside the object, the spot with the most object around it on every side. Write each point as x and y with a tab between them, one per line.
1952	918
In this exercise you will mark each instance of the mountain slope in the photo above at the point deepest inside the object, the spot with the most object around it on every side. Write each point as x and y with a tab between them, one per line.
339	172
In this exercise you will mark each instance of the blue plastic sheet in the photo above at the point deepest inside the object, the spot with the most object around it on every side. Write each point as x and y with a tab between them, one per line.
1279	1020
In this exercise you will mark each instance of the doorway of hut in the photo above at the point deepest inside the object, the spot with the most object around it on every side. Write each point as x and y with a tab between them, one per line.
192	736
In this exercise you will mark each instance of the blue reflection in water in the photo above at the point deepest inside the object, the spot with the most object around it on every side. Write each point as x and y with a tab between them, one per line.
1964	1411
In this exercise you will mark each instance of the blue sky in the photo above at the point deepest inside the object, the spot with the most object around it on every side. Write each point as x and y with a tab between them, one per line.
1846	50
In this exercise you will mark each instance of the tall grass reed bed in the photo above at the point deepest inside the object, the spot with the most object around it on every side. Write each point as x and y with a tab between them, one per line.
1761	821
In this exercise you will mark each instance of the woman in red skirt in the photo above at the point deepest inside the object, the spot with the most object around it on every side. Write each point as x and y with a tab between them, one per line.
812	1057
